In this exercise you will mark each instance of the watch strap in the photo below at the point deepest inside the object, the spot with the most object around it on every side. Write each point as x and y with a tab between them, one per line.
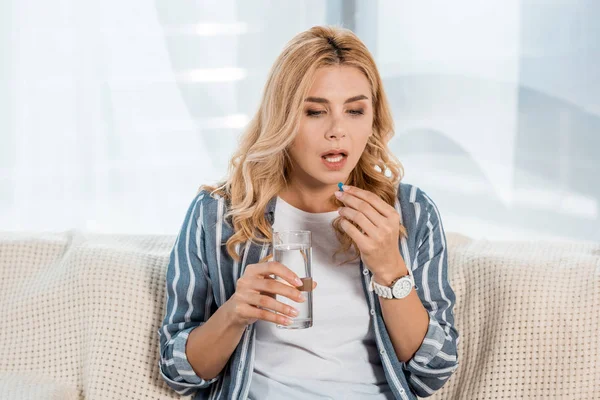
386	291
380	290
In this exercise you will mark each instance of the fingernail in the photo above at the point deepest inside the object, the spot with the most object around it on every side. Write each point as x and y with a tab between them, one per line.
338	194
345	187
288	321
294	312
298	281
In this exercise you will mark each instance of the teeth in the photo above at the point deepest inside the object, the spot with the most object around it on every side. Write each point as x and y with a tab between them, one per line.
334	159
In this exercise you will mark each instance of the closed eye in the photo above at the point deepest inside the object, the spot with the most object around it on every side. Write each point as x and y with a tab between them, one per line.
314	113
356	112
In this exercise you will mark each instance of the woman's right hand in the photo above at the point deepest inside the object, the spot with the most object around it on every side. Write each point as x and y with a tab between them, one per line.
254	296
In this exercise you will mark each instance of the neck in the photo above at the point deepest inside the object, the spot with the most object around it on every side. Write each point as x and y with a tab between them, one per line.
310	199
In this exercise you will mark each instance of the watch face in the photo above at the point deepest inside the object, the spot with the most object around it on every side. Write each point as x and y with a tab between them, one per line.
402	288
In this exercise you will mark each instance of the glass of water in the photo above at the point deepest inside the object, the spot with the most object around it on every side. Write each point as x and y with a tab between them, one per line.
293	249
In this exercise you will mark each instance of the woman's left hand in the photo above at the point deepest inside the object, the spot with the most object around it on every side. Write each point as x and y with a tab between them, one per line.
380	223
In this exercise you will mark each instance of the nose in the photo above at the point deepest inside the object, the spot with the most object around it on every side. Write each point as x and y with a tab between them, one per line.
336	130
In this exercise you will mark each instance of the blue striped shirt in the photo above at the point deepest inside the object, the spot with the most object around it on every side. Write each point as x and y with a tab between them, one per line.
201	276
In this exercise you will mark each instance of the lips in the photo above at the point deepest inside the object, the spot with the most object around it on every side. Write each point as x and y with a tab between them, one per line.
334	163
333	153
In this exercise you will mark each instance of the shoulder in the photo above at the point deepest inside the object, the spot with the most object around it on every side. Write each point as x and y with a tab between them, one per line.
413	196
416	206
208	199
199	202
212	208
197	209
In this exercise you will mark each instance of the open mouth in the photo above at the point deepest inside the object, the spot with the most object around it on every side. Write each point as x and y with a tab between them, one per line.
334	158
334	162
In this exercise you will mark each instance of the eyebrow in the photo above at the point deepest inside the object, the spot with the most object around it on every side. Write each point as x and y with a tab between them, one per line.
325	101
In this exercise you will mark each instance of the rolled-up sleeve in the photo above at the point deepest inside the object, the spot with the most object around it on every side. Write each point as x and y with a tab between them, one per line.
189	301
437	357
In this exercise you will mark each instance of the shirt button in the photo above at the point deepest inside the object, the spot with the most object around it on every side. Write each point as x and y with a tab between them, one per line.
372	312
402	391
382	352
365	271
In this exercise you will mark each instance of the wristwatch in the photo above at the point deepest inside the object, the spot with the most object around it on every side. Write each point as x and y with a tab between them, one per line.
399	289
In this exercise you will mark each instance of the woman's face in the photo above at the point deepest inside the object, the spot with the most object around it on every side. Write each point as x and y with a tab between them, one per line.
337	116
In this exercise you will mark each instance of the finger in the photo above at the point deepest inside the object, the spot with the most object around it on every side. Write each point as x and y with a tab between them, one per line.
354	233
358	217
280	288
272	277
314	285
272	268
364	207
267	302
377	202
251	312
283	272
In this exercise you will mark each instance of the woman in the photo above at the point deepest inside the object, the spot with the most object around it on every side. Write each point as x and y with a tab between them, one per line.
323	119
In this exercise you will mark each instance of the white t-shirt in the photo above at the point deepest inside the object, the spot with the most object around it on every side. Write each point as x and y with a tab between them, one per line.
335	358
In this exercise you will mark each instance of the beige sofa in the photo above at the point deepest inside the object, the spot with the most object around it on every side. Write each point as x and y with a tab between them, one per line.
80	313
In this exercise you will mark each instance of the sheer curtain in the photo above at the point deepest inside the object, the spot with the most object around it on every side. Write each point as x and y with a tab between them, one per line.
120	110
497	108
113	113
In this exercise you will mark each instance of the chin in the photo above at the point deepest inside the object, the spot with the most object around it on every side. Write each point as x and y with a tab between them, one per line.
333	178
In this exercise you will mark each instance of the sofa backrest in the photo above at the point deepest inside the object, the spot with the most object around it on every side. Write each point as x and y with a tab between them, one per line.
81	312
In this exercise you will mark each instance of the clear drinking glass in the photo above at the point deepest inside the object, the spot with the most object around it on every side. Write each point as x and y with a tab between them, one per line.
294	250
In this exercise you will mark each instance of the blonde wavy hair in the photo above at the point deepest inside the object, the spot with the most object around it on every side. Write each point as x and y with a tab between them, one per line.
260	167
